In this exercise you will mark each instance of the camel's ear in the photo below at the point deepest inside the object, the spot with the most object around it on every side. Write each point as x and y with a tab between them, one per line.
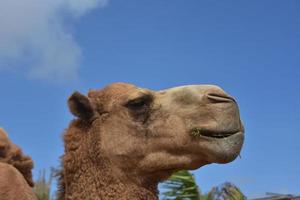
80	106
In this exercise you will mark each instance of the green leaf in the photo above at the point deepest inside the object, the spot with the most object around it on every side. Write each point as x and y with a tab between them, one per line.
181	186
42	186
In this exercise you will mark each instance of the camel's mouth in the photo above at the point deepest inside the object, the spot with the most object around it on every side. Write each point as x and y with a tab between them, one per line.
199	132
221	146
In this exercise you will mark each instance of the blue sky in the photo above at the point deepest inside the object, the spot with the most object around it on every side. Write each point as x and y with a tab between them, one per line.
249	48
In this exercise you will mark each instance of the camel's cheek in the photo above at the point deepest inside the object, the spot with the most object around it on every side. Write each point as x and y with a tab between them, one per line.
128	144
167	145
168	132
122	144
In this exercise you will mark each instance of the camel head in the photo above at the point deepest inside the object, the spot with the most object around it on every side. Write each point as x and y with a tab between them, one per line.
154	133
7	148
13	155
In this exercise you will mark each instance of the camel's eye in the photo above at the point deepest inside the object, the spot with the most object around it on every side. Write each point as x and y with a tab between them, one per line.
137	104
140	107
140	104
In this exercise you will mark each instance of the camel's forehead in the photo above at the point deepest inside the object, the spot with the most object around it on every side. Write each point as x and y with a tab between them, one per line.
113	93
117	89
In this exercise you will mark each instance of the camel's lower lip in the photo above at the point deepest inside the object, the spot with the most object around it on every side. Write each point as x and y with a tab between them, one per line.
223	150
205	133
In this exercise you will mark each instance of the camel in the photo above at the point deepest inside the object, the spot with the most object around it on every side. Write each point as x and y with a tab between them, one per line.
15	171
124	140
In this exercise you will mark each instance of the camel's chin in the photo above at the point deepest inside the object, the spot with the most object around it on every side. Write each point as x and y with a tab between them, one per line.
223	150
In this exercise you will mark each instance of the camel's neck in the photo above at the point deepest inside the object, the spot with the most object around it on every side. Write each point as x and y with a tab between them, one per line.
88	175
95	184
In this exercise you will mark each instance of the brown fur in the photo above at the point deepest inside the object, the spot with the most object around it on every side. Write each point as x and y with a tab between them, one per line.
15	169
88	174
127	139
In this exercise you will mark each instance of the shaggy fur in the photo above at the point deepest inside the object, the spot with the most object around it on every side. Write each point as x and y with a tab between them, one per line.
126	140
88	174
15	169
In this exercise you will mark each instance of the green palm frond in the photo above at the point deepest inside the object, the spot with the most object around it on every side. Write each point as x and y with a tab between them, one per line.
42	186
181	186
226	191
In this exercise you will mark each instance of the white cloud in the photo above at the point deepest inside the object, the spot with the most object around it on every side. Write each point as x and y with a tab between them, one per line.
33	31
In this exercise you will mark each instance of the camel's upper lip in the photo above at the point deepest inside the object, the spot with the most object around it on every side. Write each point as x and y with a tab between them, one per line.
217	134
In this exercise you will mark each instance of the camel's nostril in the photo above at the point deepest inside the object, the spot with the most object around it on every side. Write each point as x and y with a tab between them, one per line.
219	97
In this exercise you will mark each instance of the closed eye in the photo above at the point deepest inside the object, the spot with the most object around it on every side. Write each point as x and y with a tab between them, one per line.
140	103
